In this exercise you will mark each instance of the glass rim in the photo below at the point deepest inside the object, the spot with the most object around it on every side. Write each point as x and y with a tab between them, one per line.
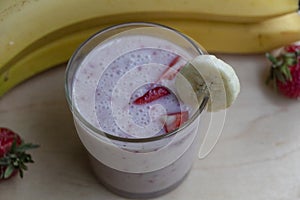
75	111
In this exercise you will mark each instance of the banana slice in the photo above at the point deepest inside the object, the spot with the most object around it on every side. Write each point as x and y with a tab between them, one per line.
208	75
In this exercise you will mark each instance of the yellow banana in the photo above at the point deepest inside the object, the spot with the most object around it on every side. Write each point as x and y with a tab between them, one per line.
36	35
214	36
24	22
229	10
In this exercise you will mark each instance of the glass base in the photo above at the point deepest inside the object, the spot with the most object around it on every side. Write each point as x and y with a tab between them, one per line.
142	185
143	195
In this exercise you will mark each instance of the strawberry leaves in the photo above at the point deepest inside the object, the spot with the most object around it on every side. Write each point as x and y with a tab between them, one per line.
15	158
279	67
284	71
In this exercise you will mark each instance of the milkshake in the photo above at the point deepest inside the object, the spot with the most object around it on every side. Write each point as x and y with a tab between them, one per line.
141	138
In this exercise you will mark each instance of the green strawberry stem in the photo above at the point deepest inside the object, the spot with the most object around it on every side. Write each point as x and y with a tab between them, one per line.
280	67
16	159
281	63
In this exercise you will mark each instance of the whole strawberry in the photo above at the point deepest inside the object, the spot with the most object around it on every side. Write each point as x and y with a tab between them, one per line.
13	156
285	71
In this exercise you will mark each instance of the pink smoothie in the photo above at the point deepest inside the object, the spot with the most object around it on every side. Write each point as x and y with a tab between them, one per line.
112	84
146	64
125	88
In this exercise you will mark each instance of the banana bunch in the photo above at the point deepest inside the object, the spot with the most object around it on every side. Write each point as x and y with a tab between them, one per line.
38	34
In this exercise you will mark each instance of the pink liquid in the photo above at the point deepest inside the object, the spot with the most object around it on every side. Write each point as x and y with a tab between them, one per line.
139	113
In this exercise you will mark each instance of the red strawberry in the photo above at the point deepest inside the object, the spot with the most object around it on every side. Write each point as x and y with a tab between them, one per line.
175	120
292	48
174	61
152	95
172	70
285	71
12	154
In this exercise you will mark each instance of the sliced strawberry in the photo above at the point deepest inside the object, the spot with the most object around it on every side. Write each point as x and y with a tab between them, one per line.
170	75
152	95
175	120
172	70
174	61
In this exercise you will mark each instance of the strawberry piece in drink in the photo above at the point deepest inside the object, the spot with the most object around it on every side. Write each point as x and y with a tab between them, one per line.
175	120
152	95
172	70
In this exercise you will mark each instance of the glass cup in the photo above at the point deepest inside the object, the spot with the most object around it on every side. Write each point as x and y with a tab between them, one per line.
136	162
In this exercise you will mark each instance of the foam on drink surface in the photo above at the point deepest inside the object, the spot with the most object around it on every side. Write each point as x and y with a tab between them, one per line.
124	79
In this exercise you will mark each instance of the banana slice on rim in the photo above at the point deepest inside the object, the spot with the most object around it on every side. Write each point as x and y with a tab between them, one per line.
207	75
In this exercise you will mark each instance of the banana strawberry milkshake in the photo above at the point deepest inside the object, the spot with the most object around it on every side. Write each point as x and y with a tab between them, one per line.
141	138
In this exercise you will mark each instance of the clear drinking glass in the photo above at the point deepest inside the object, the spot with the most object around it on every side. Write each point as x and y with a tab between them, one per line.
134	167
